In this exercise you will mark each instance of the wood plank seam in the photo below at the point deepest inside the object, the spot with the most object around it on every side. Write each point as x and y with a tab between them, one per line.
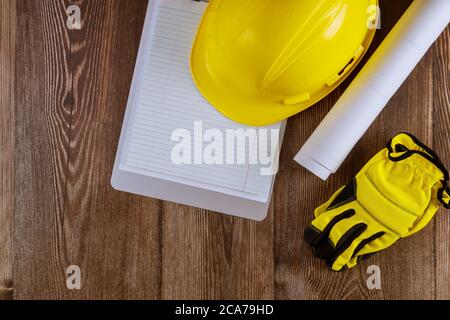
7	62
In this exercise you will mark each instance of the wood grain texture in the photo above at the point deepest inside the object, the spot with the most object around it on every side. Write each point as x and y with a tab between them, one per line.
441	142
210	256
7	56
69	90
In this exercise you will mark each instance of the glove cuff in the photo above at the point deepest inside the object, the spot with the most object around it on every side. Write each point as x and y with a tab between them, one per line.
404	145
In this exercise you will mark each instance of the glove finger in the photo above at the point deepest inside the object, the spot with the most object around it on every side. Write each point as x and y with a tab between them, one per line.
342	260
343	235
317	234
370	247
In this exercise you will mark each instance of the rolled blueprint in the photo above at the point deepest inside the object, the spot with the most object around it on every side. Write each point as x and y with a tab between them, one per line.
375	85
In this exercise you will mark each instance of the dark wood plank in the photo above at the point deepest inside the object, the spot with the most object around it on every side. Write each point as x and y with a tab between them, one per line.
211	256
405	274
42	122
441	143
7	47
71	94
126	262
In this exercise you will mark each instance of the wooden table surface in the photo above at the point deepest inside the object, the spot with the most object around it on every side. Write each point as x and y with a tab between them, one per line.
62	101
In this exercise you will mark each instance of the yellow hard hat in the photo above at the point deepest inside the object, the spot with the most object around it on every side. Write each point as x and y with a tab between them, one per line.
262	61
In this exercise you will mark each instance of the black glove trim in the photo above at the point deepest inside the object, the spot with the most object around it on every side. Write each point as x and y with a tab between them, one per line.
347	195
363	243
441	191
345	242
319	241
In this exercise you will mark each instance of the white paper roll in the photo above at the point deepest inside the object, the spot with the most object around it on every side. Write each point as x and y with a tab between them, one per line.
375	85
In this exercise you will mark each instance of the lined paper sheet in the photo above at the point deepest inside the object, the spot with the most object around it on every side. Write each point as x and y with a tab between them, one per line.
166	99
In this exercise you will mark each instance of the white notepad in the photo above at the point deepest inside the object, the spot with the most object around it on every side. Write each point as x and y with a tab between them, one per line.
164	99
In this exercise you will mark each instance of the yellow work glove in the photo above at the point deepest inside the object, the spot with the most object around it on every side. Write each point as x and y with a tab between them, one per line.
395	195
